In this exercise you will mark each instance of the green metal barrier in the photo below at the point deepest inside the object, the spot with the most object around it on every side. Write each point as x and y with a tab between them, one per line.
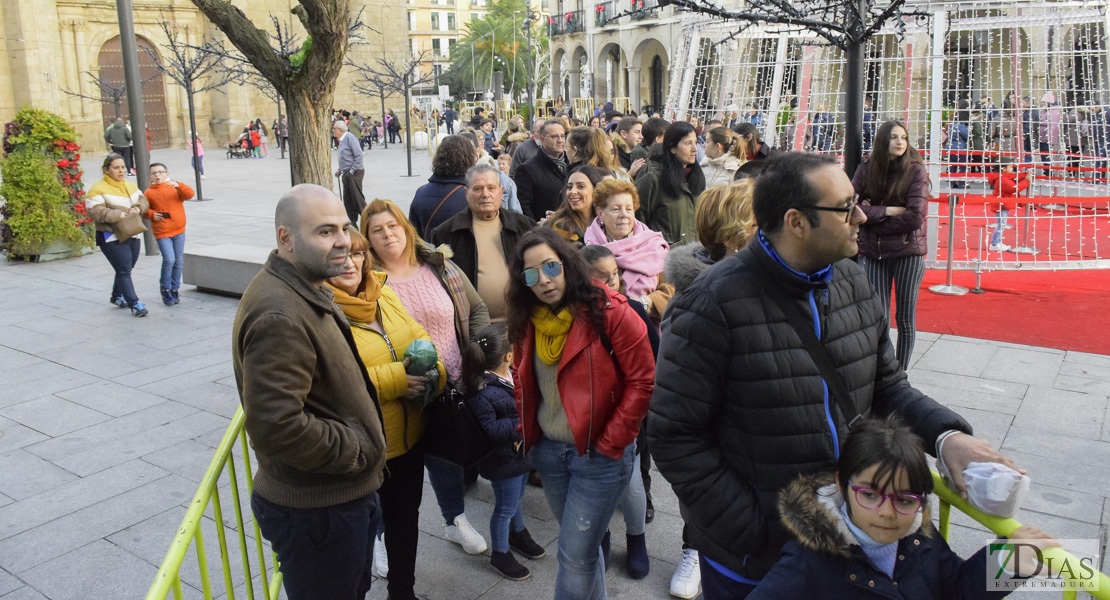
169	574
1005	528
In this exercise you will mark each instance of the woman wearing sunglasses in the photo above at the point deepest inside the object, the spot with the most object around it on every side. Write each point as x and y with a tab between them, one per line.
864	530
584	373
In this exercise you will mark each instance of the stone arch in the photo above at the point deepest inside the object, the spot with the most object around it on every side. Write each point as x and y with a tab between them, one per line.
650	68
611	62
579	72
110	65
558	73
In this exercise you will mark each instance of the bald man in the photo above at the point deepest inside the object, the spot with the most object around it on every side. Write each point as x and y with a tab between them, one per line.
312	413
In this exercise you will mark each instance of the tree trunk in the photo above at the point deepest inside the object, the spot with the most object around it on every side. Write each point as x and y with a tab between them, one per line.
309	136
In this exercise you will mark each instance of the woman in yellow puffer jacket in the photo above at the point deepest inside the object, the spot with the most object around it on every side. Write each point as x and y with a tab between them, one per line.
383	331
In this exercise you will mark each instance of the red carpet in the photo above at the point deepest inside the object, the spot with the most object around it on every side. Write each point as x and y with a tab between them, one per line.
1068	310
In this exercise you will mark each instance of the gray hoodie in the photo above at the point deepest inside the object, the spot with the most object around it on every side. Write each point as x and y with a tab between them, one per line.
118	136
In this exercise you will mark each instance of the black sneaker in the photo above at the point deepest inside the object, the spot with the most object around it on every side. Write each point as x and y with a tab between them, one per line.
506	564
138	310
176	298
522	542
118	301
167	298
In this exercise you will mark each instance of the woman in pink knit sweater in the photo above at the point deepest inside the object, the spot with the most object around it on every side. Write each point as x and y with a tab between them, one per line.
442	299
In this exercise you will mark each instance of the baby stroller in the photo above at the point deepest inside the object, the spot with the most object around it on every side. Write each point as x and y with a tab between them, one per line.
238	149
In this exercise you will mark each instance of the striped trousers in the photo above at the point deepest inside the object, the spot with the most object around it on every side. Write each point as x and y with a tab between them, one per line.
904	275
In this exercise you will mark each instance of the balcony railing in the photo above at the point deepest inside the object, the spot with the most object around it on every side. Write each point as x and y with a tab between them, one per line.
603	12
644	9
566	23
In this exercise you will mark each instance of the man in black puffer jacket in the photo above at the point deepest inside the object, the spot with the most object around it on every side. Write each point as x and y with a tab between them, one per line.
740	409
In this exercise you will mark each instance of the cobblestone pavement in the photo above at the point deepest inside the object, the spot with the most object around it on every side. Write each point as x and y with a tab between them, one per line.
107	422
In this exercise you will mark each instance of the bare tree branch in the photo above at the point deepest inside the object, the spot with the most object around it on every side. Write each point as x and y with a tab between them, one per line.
109	93
188	65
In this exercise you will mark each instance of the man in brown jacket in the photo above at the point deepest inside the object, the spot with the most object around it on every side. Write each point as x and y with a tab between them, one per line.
311	411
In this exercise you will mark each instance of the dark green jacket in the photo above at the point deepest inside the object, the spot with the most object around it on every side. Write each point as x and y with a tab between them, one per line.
671	216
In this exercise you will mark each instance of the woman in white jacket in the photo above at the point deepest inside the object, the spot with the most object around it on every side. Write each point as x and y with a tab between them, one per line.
722	157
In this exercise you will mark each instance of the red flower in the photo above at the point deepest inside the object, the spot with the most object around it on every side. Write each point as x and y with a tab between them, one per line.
63	164
72	147
76	157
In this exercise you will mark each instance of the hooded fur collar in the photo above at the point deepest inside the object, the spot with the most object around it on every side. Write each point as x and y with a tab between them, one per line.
810	509
684	263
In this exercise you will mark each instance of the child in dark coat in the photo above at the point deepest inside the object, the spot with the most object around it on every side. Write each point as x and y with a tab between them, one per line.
489	387
864	531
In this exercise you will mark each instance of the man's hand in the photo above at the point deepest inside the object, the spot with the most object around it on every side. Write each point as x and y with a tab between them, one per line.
339	173
894	211
960	449
635	167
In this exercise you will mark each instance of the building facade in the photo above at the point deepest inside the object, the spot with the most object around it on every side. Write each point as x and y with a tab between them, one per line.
613	49
54	46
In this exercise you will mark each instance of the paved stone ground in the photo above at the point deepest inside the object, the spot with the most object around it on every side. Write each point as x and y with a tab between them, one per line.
108	422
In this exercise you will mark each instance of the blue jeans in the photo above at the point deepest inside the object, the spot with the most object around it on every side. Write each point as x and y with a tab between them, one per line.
583	492
507	510
996	237
634	502
199	161
447	482
324	552
173	261
122	256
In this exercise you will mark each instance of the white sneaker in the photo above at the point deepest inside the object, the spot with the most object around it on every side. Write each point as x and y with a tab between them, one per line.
998	248
380	567
686	581
464	534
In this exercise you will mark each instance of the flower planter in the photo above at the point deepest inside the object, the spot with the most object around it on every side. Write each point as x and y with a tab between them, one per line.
59	250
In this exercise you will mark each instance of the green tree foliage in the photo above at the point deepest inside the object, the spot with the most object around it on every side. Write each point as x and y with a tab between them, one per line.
37	206
497	42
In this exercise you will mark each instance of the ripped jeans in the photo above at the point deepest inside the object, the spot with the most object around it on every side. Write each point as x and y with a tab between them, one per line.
583	492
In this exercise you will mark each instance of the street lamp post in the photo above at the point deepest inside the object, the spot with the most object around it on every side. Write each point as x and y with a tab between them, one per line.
530	16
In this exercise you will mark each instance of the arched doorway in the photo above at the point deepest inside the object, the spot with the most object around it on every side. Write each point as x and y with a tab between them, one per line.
657	83
110	62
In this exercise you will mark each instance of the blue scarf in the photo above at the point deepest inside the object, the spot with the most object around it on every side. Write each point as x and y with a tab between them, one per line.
882	556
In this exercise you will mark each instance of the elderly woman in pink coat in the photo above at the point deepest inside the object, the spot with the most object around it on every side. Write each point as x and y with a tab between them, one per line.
640	252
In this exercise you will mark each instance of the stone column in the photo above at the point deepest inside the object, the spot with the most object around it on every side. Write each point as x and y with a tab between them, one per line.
83	53
575	84
634	88
70	77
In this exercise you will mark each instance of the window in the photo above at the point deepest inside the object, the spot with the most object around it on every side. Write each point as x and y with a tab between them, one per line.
435	46
410	21
435	21
450	21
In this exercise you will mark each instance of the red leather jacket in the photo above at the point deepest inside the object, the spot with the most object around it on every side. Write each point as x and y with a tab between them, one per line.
604	405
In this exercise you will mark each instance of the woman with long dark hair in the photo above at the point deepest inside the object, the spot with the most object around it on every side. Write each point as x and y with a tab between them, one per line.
583	375
573	216
893	189
668	189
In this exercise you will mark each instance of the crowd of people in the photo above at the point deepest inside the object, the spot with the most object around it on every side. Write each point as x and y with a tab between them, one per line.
601	295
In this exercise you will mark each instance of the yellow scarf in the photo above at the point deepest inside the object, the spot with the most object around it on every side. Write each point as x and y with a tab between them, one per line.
551	332
362	308
123	189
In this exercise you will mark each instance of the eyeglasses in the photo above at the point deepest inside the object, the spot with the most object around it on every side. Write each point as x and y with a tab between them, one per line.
550	268
847	210
358	255
904	504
